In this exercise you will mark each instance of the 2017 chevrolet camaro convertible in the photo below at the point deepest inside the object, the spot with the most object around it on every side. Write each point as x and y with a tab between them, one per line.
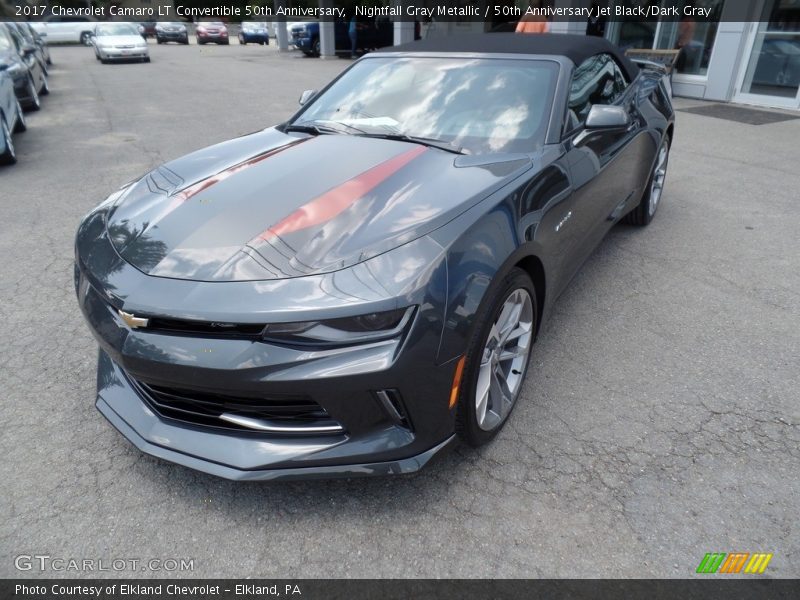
349	292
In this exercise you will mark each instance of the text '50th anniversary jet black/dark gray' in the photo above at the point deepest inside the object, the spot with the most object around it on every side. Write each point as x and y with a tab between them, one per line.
350	291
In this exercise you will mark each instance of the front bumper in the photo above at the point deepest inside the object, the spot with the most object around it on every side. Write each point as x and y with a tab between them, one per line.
302	43
345	382
230	457
177	36
123	53
212	37
255	38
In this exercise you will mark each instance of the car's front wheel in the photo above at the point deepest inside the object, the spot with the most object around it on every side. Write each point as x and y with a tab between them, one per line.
8	155
86	38
34	102
497	358
646	210
21	124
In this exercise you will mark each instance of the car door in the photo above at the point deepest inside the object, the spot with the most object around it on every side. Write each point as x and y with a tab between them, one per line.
600	163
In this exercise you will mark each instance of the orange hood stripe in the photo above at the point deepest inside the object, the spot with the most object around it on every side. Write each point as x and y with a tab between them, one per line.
333	202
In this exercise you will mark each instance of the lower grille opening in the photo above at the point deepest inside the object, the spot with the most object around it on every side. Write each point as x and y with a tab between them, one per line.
275	414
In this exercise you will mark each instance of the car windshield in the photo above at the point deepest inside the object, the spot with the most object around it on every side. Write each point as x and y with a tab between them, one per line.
116	29
252	25
210	24
480	105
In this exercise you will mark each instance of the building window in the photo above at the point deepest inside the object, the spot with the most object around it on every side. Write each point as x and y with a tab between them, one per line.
694	39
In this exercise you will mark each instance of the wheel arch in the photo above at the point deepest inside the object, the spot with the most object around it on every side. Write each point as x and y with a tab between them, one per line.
534	267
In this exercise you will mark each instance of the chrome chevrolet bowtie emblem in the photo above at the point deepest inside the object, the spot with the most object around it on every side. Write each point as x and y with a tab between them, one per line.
132	320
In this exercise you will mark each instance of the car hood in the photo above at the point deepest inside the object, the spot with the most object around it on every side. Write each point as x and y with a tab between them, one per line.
119	40
271	206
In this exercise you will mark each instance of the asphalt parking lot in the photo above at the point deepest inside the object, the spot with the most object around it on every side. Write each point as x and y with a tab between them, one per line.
660	419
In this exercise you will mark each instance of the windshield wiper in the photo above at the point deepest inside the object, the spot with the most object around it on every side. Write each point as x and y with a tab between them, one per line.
319	127
430	142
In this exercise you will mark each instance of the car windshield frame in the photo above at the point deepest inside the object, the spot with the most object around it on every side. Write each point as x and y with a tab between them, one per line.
550	66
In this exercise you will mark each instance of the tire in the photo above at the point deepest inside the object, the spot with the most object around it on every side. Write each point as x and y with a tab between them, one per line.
35	103
199	43
146	59
8	155
159	41
226	43
21	124
315	48
492	363
45	89
651	198
241	41
86	38
104	61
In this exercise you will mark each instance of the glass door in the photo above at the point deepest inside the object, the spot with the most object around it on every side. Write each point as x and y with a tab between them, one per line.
772	72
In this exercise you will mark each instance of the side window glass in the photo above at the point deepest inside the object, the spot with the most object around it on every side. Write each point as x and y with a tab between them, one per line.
597	80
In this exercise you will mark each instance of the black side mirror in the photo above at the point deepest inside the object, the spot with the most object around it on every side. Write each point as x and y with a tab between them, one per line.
28	49
3	67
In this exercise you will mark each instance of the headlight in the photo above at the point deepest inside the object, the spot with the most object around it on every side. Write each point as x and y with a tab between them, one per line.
334	332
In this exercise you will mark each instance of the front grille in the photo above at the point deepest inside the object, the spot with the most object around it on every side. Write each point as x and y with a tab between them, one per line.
125	47
284	414
206	328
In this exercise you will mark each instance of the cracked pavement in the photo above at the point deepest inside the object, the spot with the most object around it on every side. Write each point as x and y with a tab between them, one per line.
659	421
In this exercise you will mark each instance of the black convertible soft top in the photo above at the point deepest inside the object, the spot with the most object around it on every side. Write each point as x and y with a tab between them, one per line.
575	47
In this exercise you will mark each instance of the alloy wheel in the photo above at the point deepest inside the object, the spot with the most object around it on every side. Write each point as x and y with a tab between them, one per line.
22	124
36	103
659	175
503	361
9	155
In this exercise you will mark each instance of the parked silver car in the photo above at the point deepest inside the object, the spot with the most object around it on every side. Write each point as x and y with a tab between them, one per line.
119	41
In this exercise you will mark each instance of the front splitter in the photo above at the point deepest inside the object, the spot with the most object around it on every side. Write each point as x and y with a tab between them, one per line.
395	467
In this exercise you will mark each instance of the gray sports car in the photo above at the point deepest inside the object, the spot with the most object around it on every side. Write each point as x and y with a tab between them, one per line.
349	292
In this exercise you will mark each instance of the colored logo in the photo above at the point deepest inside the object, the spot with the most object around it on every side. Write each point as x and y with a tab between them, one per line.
736	562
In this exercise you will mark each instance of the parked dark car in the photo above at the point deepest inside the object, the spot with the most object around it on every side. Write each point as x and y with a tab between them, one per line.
212	32
30	80
372	34
347	292
31	37
253	32
12	119
172	32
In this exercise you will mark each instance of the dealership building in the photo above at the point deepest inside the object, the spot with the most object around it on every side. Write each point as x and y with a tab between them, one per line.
747	52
